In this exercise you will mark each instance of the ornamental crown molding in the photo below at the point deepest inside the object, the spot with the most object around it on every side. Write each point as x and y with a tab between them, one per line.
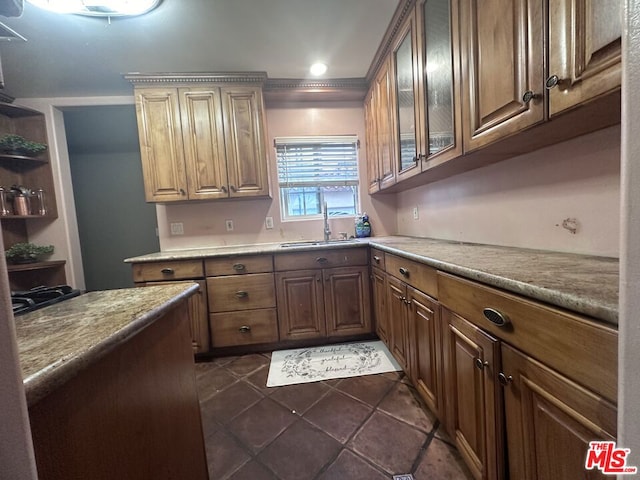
248	78
311	84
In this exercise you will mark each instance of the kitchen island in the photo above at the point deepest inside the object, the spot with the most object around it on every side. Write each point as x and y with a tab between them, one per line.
110	386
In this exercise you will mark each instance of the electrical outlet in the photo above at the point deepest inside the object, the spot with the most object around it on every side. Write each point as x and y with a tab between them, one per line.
177	229
268	223
415	213
229	225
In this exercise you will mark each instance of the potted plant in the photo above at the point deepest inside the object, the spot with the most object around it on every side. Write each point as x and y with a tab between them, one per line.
27	253
17	145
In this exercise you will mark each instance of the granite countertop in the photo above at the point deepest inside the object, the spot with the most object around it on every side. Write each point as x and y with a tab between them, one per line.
580	283
56	342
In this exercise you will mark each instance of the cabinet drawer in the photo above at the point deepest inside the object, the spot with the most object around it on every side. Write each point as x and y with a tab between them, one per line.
243	328
241	292
575	346
174	270
377	258
418	275
238	265
321	259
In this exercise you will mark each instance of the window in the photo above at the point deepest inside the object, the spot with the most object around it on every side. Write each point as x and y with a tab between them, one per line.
315	170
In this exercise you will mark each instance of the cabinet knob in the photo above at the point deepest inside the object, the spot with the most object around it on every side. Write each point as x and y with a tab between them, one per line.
376	258
529	95
167	271
480	364
223	188
238	267
504	379
404	271
244	329
552	81
232	188
416	159
182	192
321	260
318	278
242	294
494	316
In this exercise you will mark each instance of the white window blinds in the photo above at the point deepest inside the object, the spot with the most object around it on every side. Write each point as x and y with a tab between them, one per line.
317	161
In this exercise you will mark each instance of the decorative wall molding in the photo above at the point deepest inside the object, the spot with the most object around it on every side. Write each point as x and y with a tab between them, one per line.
253	78
401	13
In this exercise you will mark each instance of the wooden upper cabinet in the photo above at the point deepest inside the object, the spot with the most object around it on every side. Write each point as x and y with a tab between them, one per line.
161	149
383	84
407	121
201	141
439	81
502	57
584	51
371	140
204	143
245	133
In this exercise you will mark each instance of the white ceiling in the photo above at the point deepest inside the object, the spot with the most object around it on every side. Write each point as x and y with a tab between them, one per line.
68	55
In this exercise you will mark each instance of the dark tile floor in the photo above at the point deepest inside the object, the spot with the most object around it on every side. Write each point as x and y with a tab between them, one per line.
362	428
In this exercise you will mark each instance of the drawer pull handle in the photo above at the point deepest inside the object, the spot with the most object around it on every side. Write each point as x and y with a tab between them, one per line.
167	271
238	267
376	258
404	271
321	260
504	379
244	329
242	294
495	317
480	364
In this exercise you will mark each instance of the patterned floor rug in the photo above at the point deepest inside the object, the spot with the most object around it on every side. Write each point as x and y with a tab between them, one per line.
305	365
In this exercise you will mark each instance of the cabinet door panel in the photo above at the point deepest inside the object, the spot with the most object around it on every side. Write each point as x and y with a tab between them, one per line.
197	305
398	322
425	334
379	289
373	173
300	304
161	149
471	359
347	301
550	421
384	126
585	50
203	138
245	137
503	58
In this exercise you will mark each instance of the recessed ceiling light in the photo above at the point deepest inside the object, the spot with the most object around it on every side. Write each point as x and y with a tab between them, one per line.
98	8
318	69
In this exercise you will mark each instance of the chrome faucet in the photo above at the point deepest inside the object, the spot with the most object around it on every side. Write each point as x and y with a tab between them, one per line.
327	232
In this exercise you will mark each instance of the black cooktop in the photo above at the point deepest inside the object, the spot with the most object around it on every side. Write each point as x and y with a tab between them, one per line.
40	297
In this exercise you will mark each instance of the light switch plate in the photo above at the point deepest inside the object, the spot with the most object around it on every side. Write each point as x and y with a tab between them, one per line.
268	223
415	213
229	225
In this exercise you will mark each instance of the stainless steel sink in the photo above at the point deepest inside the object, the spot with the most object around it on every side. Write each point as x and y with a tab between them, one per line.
309	243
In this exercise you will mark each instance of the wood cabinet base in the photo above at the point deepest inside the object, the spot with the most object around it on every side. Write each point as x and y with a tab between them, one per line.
132	415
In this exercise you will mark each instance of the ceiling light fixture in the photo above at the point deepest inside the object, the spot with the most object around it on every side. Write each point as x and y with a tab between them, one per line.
98	8
318	69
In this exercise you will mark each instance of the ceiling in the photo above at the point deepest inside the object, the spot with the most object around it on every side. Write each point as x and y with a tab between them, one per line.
70	55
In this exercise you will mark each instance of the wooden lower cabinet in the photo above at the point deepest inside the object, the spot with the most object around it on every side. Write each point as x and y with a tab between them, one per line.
317	303
200	338
426	359
550	421
473	395
245	327
399	322
379	299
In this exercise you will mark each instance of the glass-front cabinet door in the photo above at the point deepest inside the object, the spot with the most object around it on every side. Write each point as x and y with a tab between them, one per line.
440	80
407	122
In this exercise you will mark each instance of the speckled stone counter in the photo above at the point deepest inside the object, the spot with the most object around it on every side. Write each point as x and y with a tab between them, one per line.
58	341
580	283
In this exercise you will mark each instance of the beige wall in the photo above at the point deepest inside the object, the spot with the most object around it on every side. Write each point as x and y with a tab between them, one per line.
523	201
204	222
